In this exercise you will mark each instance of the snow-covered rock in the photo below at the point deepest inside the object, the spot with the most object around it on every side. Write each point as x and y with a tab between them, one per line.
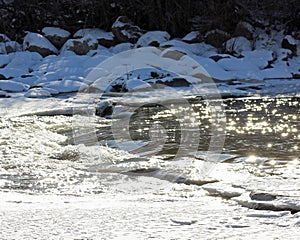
237	45
260	58
122	47
4	38
64	86
193	37
12	46
3	94
200	49
81	46
244	29
216	38
12	86
153	38
35	42
105	39
4	60
289	42
37	93
125	30
136	85
57	36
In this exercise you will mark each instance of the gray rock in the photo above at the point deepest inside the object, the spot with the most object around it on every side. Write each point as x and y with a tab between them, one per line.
125	31
216	38
244	29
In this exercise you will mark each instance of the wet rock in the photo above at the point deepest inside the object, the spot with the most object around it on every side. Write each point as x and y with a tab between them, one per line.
289	42
105	108
193	37
216	38
153	38
126	31
261	196
35	42
81	46
57	36
237	45
244	29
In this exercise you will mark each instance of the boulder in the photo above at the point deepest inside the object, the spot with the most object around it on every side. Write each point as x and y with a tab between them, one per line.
81	46
193	37
126	31
216	38
106	39
244	29
56	36
237	45
35	42
153	38
289	42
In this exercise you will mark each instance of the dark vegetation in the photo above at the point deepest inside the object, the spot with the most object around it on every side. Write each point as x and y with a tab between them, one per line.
178	17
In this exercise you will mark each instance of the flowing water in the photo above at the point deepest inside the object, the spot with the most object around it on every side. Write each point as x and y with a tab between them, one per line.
63	155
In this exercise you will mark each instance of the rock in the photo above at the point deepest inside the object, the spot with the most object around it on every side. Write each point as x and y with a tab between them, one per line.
35	42
296	35
261	196
153	38
81	46
193	37
216	38
237	45
4	38
56	36
106	39
289	42
105	108
244	29
126	31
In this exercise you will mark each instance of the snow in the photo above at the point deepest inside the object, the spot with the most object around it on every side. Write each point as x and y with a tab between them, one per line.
95	33
55	31
151	37
35	39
